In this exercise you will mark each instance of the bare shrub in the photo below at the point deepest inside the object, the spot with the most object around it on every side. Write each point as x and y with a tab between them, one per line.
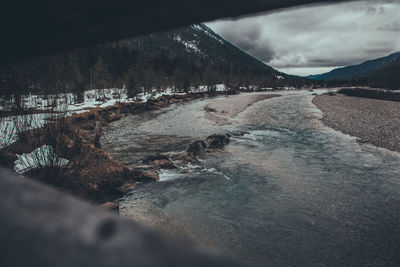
47	139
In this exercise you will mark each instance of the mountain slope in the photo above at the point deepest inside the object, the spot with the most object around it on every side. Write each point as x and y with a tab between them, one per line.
189	56
387	77
362	70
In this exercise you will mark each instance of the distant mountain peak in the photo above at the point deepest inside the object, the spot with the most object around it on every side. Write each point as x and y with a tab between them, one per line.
208	31
357	71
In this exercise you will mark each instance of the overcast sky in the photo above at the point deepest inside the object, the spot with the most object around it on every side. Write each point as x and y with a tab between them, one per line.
315	39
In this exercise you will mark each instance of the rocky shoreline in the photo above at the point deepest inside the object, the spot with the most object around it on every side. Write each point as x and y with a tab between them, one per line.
373	121
93	173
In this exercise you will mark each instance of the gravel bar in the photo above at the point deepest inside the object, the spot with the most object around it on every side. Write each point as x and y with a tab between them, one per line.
374	121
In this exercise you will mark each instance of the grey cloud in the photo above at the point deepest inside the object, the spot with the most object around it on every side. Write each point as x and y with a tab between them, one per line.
317	36
263	53
371	9
250	40
321	62
395	27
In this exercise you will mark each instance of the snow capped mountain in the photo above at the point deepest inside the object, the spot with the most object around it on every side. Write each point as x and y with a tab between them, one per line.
191	45
202	46
208	31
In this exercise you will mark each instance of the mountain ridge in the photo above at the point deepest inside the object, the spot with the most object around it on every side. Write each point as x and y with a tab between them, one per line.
357	71
183	57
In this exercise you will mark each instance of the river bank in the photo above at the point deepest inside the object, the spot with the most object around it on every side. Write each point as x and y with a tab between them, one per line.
93	173
373	121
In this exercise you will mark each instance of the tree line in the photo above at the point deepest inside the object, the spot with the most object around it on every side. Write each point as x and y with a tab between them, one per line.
140	64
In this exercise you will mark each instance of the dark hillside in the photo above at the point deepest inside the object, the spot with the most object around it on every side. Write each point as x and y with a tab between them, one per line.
184	57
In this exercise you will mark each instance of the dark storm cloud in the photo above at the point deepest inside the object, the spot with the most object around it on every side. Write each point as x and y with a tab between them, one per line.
317	37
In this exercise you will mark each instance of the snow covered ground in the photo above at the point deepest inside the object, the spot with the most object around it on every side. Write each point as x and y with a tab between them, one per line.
43	156
69	103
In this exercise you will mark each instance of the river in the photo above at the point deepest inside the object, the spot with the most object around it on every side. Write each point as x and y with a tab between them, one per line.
290	192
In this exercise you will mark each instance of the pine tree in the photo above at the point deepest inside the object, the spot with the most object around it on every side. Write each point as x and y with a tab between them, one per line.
131	84
100	74
210	78
179	78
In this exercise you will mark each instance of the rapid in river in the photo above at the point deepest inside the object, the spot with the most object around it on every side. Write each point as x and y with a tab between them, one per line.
288	191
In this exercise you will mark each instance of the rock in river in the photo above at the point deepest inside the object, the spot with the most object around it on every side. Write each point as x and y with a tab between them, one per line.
197	148
217	141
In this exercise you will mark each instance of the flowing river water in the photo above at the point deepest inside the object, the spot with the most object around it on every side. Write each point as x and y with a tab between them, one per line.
290	192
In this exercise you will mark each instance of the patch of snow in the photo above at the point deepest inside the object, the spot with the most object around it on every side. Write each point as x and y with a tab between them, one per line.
90	103
110	102
207	31
249	87
220	87
7	130
197	27
144	97
43	156
200	89
287	88
11	126
280	77
77	112
189	45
